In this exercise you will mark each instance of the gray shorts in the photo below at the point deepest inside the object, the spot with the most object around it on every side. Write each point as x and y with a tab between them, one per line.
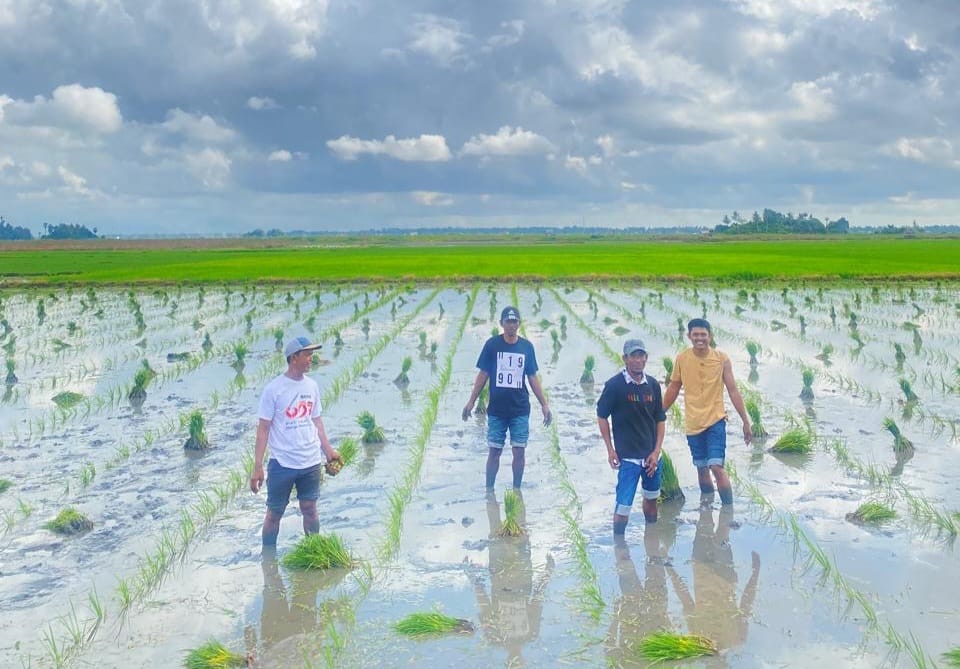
281	481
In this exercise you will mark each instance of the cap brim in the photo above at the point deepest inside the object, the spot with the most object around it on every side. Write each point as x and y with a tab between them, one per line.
311	347
634	350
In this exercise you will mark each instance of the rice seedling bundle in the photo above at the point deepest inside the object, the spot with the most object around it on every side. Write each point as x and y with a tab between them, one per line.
899	355
756	425
753	348
620	331
207	342
807	377
198	437
825	353
67	399
952	657
482	400
69	522
138	393
908	391
872	512
544	324
213	655
666	646
5	485
667	363
588	364
403	380
319	551
797	440
348	449
372	433
512	511
669	483
420	625
900	443
11	377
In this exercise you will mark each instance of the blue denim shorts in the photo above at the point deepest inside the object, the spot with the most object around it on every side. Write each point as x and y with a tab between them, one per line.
629	474
519	427
281	480
710	446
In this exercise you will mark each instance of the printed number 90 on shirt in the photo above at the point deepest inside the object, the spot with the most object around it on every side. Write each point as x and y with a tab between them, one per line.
509	370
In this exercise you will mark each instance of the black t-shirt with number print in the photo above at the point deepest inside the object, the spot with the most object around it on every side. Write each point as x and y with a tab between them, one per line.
508	365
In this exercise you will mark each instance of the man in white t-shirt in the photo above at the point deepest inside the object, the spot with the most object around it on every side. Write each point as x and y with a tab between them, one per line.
290	424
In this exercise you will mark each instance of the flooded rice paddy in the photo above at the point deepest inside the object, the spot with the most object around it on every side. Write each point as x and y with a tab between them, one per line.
782	579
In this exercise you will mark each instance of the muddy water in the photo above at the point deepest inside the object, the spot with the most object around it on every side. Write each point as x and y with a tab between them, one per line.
731	576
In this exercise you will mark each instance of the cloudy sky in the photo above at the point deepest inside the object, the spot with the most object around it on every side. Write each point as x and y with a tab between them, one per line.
217	116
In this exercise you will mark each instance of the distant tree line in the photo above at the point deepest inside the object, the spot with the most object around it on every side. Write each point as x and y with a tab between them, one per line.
773	222
56	231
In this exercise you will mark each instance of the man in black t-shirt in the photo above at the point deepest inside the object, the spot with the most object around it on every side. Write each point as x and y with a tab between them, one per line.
635	403
509	362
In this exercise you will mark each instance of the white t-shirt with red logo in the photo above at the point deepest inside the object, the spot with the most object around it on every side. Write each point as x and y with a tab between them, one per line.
291	406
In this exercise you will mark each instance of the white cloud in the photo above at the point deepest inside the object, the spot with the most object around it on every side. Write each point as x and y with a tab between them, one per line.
195	126
928	150
605	142
439	38
507	142
210	167
576	163
74	183
426	148
431	198
773	10
71	107
280	156
260	104
512	33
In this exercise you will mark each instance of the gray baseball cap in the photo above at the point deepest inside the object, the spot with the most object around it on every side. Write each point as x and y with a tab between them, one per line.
632	346
298	344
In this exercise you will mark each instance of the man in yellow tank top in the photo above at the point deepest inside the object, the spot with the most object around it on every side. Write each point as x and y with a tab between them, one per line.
703	373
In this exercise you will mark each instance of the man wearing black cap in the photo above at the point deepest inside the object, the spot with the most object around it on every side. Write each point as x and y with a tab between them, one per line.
509	362
290	424
635	403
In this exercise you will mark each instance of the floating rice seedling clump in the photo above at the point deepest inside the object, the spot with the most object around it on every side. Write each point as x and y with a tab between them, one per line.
588	364
666	646
213	655
69	522
872	512
319	551
372	433
908	391
756	424
513	511
752	349
421	625
796	440
198	437
807	392
900	443
5	485
403	380
67	399
669	483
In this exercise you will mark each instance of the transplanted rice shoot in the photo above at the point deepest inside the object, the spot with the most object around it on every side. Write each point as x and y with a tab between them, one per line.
908	391
665	646
372	433
240	351
213	655
419	625
278	338
11	377
752	349
588	364
952	657
807	392
67	399
138	393
69	522
198	437
756	424
5	485
899	355
900	443
872	512
512	512
403	380
207	344
797	440
319	551
825	353
669	483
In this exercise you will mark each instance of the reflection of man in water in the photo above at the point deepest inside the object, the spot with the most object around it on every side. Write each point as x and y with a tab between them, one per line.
290	622
642	606
510	615
713	610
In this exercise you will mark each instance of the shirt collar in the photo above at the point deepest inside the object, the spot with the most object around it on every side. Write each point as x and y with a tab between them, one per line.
629	379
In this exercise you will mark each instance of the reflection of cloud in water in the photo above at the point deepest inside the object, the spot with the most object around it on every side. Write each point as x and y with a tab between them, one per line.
511	613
